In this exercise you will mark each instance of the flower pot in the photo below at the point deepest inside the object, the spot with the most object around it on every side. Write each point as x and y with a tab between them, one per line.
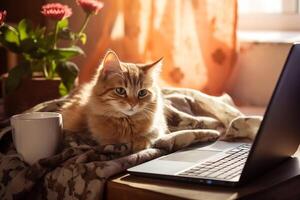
30	92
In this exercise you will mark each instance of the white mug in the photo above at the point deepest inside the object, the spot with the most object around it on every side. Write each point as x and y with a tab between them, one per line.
36	135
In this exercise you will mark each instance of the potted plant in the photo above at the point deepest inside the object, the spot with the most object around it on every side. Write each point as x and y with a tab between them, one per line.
45	54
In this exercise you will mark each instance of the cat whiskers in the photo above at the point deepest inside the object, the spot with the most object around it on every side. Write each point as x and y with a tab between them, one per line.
147	113
149	110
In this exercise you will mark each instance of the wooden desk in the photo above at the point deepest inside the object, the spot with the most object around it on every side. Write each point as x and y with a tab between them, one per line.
280	183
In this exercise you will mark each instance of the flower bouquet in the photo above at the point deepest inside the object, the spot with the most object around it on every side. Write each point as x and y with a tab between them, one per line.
44	50
44	70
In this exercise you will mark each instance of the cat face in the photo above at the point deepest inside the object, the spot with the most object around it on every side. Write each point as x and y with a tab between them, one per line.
125	89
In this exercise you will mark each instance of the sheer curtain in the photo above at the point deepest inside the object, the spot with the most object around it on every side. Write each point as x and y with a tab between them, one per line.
197	39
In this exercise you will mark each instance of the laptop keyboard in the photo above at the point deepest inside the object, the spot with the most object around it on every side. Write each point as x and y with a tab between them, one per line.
226	167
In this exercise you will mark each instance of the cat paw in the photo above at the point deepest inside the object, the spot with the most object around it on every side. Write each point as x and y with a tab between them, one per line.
180	139
206	135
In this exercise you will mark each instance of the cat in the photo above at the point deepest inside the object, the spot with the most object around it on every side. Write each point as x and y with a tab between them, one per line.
121	104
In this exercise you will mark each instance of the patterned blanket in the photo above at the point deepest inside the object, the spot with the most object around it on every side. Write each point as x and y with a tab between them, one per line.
81	168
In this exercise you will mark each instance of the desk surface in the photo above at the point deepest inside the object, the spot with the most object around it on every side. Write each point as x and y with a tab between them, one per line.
280	183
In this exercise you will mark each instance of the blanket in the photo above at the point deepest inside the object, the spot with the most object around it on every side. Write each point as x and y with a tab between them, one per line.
81	168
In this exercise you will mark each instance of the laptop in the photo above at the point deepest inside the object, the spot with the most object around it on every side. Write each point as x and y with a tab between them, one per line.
235	163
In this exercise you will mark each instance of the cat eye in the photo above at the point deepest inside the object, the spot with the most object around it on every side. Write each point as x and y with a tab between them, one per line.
120	91
142	93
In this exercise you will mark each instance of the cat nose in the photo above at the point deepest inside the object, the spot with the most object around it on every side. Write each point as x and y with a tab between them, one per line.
132	104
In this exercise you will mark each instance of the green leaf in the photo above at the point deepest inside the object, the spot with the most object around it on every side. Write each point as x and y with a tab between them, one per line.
68	71
83	38
63	24
45	43
52	69
9	38
64	53
24	27
62	89
15	76
11	35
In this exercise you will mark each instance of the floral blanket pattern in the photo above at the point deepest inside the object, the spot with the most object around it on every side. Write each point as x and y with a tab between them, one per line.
81	168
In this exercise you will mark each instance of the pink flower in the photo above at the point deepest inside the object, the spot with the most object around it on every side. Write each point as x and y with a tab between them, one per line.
90	6
2	16
56	11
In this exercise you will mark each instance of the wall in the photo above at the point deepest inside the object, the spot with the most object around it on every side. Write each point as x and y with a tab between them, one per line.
257	69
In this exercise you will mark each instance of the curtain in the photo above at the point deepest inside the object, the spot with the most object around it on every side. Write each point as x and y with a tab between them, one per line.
196	38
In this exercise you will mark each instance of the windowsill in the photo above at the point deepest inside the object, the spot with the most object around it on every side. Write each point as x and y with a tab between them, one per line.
281	37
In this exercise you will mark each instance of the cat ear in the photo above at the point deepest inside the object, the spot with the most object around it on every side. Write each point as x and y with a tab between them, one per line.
110	63
153	68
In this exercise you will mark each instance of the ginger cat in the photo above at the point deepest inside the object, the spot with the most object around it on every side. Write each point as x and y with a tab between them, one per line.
122	104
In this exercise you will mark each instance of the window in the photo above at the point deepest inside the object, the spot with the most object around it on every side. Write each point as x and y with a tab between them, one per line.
279	15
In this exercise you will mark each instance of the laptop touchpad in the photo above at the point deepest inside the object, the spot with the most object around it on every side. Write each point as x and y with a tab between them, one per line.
190	156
